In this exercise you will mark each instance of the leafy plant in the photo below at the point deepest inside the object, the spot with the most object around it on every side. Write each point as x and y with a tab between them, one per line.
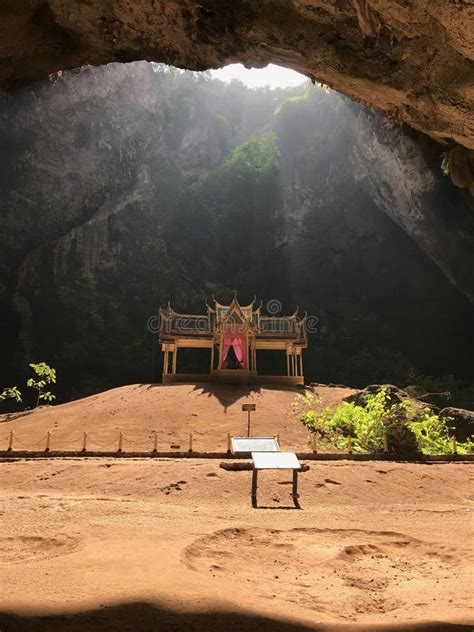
45	375
10	393
445	163
432	433
408	426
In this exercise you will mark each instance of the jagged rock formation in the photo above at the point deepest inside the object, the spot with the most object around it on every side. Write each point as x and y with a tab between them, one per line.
386	158
413	60
122	188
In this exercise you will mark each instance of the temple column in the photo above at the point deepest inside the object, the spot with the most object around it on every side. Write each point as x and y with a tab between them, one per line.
294	363
287	363
165	362
301	364
212	358
255	360
175	354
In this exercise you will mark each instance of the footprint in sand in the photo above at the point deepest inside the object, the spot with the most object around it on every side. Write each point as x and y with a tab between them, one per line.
173	487
28	548
370	570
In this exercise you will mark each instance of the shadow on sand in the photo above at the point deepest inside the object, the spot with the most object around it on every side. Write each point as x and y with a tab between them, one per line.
226	394
12	416
146	617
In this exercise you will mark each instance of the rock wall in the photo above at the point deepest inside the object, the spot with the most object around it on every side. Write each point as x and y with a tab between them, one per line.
103	215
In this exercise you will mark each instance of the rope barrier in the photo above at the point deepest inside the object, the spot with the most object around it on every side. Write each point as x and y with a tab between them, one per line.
134	442
30	445
101	445
68	439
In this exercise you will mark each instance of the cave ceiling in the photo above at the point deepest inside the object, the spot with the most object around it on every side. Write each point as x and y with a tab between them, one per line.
412	60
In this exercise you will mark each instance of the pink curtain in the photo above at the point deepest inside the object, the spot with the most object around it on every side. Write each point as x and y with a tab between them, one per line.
239	342
225	350
236	343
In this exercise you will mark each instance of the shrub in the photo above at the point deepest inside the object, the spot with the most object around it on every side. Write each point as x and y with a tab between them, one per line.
407	425
432	432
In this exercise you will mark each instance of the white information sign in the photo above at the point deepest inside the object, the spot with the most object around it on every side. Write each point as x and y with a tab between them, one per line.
254	444
275	461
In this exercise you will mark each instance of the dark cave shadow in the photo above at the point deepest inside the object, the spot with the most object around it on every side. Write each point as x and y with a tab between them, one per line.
147	617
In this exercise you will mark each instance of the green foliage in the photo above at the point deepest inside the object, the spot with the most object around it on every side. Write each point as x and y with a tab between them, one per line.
300	98
259	154
10	393
445	163
45	375
406	425
433	435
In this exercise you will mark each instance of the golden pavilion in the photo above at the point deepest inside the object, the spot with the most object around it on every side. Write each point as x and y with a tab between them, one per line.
234	334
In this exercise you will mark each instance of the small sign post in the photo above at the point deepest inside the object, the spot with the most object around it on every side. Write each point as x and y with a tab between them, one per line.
249	408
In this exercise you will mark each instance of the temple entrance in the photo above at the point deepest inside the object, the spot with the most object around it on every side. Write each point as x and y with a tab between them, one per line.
234	351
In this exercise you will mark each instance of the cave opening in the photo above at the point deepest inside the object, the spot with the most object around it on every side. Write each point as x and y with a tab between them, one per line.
133	184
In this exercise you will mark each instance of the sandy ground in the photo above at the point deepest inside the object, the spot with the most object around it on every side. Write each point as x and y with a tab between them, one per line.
110	544
209	411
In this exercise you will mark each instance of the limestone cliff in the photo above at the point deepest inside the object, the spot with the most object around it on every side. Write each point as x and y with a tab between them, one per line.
123	188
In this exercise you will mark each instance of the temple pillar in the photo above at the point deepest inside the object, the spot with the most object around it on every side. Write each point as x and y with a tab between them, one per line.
301	364
175	355
287	363
255	360
212	358
165	362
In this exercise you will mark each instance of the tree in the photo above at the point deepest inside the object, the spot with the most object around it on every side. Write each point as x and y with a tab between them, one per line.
44	375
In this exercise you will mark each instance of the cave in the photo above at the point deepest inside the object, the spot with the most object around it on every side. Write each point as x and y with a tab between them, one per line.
122	190
400	79
173	243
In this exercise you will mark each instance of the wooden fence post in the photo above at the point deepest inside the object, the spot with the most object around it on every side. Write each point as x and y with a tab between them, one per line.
385	443
120	442
455	446
349	444
155	441
10	442
190	442
229	443
84	442
48	441
314	443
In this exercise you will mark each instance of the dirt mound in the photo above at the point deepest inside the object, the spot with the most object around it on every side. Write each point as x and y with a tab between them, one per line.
209	411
